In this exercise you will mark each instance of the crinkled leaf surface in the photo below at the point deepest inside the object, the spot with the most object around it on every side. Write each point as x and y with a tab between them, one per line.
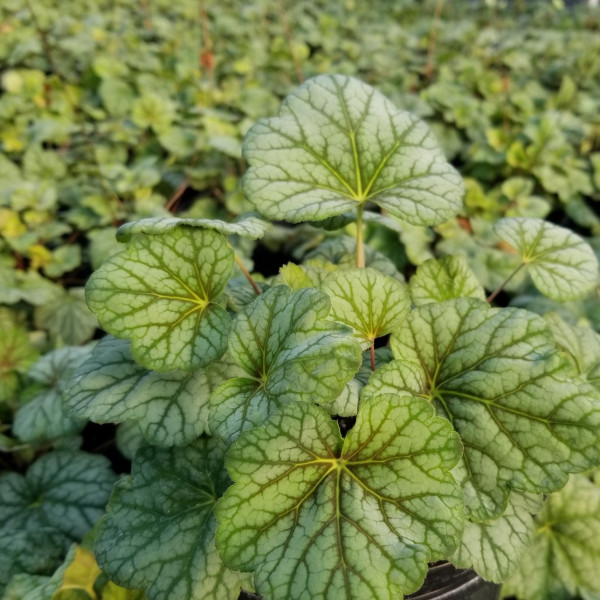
495	375
250	227
494	548
562	265
564	559
170	409
43	417
159	530
161	293
437	280
371	303
338	143
582	346
289	352
315	516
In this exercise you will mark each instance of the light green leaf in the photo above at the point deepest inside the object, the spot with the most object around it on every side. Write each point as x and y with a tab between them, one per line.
162	293
289	353
495	548
43	417
63	259
437	280
251	227
485	369
67	317
315	515
154	111
582	346
341	251
117	96
562	265
170	409
159	530
17	353
371	303
338	143
564	559
28	286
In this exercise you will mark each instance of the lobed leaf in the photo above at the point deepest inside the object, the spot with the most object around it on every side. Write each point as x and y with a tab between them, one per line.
251	227
371	303
338	143
562	265
438	280
170	409
162	292
485	370
158	533
315	516
289	353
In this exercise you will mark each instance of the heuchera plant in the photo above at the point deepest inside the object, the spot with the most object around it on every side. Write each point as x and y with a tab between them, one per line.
463	421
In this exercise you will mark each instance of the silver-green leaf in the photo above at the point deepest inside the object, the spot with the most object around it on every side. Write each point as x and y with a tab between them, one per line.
162	293
317	516
338	143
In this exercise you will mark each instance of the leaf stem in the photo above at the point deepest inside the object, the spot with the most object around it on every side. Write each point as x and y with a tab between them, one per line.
491	297
247	275
429	65
360	248
373	356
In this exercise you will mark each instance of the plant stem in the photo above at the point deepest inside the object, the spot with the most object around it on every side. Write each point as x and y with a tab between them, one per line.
171	205
247	275
373	356
432	39
491	297
360	248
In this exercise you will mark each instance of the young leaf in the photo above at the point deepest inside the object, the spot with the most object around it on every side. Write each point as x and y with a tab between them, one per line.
561	264
289	352
437	280
495	548
485	370
371	303
250	227
159	530
161	293
338	143
357	518
170	409
564	559
43	417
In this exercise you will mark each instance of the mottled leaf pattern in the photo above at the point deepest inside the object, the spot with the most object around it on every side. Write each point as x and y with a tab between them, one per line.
170	409
158	533
315	516
486	369
289	352
371	303
562	266
437	280
162	293
338	143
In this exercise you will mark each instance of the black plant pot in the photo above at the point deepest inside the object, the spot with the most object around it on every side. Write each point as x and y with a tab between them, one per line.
443	582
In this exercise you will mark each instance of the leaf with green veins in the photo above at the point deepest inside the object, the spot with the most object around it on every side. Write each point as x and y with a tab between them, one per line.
43	417
314	515
564	559
485	370
67	317
494	548
437	280
58	501
170	409
162	293
371	303
562	265
250	227
341	251
582	346
289	352
338	143
159	529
